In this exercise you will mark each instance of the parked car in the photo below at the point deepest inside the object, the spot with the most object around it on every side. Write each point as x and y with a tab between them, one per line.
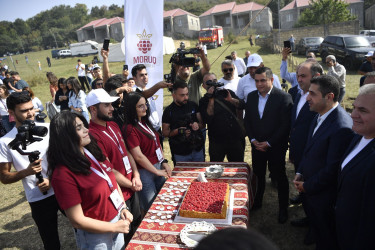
64	53
349	50
371	39
55	53
309	44
367	33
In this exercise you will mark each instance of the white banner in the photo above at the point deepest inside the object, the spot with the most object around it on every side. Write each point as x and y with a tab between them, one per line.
144	41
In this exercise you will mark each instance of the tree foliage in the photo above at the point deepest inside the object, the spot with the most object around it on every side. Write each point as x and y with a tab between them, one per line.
325	12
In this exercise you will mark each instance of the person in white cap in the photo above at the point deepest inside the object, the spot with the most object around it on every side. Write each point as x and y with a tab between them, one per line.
247	83
366	65
109	138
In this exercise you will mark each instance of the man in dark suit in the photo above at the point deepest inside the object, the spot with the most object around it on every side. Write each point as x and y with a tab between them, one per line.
301	115
267	123
355	205
329	136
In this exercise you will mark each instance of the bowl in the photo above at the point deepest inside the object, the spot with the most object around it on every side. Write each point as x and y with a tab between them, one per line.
214	171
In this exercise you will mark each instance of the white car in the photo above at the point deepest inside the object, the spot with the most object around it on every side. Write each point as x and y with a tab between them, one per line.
64	53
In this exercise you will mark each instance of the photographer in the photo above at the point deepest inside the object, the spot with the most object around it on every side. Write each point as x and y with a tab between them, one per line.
218	108
181	123
43	207
195	79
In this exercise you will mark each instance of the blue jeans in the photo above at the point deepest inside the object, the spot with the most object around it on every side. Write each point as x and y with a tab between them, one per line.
104	241
6	124
196	156
151	185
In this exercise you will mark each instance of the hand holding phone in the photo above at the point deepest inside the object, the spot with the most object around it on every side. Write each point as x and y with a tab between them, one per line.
106	44
125	67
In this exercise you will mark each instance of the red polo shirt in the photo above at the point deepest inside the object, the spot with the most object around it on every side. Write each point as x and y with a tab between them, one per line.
111	149
91	191
135	138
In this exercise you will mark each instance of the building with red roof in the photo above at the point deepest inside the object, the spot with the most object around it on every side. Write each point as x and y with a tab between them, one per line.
180	22
290	14
102	28
234	17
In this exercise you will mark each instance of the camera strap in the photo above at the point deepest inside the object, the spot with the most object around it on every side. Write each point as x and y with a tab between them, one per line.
240	124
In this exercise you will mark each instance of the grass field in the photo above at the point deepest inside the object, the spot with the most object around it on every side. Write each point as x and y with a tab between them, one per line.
17	229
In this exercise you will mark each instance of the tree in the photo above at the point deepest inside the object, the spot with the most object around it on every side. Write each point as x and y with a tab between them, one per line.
325	12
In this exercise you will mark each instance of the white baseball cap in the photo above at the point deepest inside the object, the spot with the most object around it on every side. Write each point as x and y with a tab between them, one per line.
370	53
254	60
99	96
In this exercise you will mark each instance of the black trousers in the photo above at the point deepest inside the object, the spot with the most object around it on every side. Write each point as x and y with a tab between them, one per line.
44	213
275	158
234	151
135	209
83	81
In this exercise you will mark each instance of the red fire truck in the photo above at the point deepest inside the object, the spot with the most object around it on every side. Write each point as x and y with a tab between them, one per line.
212	37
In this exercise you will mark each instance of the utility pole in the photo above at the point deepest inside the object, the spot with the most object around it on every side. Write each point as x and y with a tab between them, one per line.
278	17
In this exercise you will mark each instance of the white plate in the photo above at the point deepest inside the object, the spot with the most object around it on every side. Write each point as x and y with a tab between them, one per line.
191	240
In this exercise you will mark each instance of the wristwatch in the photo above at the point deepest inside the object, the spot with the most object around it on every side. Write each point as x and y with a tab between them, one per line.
164	161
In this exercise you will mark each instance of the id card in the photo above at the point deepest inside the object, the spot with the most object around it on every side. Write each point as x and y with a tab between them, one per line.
128	167
159	155
116	200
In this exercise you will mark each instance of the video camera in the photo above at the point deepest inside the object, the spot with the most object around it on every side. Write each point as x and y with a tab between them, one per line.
179	58
24	137
216	85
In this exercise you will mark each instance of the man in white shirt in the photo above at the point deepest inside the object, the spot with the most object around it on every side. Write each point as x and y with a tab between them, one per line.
240	64
40	195
229	79
80	68
337	70
247	83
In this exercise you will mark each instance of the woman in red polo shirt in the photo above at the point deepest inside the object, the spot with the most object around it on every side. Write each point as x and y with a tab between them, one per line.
85	186
143	143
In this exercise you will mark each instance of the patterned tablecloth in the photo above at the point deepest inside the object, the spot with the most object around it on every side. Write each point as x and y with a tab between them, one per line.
158	228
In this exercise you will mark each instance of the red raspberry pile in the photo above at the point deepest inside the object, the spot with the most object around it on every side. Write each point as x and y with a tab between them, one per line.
205	197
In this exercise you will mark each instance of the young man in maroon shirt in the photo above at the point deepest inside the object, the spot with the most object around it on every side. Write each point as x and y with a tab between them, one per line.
110	140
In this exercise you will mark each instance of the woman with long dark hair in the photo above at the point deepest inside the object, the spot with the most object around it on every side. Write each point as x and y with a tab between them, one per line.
77	98
62	95
144	144
85	186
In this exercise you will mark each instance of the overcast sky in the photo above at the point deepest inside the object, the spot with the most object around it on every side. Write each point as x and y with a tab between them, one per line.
24	9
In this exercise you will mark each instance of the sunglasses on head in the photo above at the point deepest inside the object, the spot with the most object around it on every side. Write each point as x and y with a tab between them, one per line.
228	70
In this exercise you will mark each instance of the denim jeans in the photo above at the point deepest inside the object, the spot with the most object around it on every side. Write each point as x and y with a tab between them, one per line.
104	241
151	185
196	156
6	124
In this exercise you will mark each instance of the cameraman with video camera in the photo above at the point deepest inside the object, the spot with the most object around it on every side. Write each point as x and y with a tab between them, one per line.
182	123
40	195
226	132
195	79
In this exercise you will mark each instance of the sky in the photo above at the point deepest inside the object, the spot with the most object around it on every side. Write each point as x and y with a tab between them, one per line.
25	9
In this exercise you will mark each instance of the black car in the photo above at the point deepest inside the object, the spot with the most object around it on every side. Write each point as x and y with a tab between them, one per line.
309	44
349	50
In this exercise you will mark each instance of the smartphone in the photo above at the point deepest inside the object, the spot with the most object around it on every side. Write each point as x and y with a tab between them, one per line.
106	44
125	67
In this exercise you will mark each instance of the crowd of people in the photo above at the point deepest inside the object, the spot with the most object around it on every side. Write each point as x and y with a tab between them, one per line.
103	164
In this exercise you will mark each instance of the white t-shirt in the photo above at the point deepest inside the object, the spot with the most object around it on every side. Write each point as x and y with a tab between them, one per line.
81	70
240	65
230	84
3	107
21	162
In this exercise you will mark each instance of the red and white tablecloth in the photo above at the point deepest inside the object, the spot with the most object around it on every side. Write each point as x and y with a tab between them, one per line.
158	229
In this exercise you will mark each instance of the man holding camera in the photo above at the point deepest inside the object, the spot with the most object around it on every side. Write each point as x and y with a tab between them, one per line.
195	79
182	123
226	133
40	195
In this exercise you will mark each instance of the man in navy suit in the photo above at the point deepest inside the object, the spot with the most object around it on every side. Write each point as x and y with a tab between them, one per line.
267	123
355	206
329	136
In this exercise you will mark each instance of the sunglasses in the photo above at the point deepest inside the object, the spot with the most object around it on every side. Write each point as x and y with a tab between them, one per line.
228	70
309	57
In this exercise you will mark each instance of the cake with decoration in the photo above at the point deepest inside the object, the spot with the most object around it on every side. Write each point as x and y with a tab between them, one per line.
206	200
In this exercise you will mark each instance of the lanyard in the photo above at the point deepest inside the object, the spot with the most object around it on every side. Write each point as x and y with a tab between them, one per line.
102	174
147	128
118	141
5	106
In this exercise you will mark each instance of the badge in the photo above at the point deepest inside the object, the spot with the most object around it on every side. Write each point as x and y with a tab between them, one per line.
159	155
116	199
128	167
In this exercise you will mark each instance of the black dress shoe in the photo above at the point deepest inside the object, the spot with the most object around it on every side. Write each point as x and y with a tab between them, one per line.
302	222
283	215
296	200
309	238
